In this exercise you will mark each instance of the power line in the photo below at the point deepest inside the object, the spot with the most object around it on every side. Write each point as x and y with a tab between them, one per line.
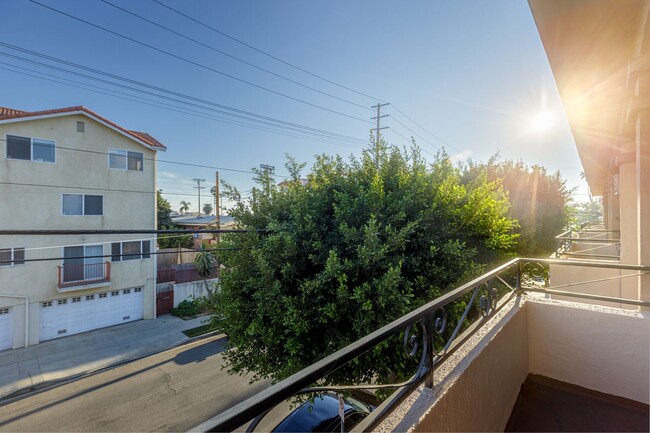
264	52
197	64
424	129
152	253
231	56
168	107
240	113
414	133
124	232
185	164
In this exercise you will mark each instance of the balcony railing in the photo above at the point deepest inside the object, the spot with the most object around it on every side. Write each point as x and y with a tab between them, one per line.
589	242
427	336
80	275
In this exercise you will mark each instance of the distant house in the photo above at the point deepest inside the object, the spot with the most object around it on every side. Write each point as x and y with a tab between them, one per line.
203	222
286	183
71	168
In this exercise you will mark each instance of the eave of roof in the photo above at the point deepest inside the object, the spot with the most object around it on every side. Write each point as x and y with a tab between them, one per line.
589	44
8	114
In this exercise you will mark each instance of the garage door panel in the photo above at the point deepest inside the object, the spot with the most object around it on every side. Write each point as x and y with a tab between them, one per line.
84	313
6	330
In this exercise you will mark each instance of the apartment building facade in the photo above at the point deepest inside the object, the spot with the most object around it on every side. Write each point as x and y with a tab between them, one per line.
71	169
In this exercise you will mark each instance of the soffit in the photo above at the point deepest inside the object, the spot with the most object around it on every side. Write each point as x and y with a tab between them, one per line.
589	44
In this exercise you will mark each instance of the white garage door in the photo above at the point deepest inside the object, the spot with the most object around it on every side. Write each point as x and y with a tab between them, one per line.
77	314
5	328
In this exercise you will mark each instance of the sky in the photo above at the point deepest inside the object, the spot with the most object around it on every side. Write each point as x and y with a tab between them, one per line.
469	76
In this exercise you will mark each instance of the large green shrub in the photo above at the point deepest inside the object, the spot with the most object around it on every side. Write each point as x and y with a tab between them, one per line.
353	249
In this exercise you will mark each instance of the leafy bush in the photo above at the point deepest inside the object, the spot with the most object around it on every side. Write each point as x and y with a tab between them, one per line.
359	245
192	307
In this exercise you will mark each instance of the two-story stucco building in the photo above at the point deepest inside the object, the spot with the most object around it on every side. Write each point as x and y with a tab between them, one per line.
71	169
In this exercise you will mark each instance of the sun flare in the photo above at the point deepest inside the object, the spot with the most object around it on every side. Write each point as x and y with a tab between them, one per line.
542	121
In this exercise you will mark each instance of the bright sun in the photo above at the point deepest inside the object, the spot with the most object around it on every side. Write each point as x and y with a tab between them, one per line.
543	121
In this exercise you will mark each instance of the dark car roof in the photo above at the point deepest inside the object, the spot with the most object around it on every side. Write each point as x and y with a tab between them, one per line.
321	415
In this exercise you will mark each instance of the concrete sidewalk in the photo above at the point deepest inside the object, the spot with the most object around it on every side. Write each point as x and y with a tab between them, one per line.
71	356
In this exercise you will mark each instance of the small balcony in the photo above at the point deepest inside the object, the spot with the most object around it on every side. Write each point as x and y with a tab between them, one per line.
83	276
590	242
517	359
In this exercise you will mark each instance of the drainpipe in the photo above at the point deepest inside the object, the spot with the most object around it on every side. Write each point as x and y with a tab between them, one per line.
26	298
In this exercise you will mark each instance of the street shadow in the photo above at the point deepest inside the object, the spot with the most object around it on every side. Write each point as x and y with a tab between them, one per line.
213	348
201	353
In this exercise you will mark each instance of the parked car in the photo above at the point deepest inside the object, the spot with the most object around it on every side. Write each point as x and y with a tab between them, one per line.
322	415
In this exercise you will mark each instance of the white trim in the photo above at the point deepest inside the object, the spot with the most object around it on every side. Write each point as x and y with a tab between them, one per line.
83	113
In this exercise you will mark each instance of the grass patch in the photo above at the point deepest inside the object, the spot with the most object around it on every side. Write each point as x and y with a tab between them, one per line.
200	330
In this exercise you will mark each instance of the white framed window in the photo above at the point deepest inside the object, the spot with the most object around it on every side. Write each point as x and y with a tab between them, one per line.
119	159
12	256
82	204
30	149
130	250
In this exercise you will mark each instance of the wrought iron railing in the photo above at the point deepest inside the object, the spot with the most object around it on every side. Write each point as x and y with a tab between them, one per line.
78	275
429	334
567	243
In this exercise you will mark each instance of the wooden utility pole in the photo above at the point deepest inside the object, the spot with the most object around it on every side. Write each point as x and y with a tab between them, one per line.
378	128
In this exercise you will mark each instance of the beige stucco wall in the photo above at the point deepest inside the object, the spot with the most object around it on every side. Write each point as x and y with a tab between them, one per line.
129	202
476	388
598	348
607	350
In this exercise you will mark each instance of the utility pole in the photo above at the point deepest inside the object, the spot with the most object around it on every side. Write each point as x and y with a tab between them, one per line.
217	210
268	169
378	128
199	187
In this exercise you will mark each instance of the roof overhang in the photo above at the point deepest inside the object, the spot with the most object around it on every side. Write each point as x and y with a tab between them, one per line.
89	114
589	44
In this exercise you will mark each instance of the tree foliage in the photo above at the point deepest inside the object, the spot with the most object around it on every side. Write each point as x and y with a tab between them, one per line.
164	210
539	201
184	206
347	253
205	262
207	208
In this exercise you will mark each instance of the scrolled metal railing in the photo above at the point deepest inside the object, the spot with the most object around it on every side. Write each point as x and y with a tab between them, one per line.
427	333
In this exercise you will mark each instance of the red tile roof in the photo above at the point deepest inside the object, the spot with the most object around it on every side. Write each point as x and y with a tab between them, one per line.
9	113
4	111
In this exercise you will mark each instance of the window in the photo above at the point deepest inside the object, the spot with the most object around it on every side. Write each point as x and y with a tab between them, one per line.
132	250
81	126
82	204
12	256
30	149
83	263
125	160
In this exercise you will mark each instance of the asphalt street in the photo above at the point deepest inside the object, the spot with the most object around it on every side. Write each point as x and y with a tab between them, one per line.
170	391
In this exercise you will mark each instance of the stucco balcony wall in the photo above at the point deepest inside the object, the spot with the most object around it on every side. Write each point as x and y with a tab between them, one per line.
595	347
